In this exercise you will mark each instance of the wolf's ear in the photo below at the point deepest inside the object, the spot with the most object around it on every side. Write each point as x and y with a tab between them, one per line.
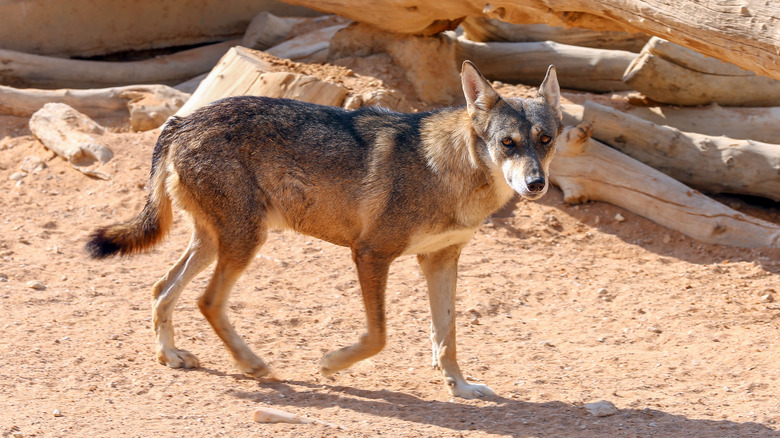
480	95
550	91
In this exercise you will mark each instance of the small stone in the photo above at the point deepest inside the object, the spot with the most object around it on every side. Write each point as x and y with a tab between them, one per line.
619	217
37	285
768	298
667	239
17	176
654	329
57	413
32	164
602	408
3	277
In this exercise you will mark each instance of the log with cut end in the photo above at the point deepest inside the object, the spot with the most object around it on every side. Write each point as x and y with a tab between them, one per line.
244	71
586	169
26	70
485	30
707	163
744	33
71	135
310	47
579	68
147	106
668	73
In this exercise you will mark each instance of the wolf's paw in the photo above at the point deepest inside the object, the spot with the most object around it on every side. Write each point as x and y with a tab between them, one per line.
176	358
257	371
468	391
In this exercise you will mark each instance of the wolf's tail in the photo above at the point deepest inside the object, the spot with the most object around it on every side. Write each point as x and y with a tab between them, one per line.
154	221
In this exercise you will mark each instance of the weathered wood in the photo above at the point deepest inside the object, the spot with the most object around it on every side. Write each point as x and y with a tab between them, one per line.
243	71
707	163
88	27
668	73
581	68
744	33
33	71
429	63
71	135
485	30
267	30
146	106
586	169
759	124
311	47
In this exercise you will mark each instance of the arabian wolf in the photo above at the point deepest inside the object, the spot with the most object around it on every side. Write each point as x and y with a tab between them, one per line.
383	184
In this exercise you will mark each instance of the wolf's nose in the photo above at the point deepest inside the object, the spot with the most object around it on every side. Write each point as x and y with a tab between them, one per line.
535	184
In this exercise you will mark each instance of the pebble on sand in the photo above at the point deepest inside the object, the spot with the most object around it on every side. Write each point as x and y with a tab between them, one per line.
601	408
37	285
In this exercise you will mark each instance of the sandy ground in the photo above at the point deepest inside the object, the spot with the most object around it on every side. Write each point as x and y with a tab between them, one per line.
559	306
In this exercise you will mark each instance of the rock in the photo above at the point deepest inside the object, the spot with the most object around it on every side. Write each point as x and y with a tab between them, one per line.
768	298
3	277
37	285
602	408
32	164
619	217
57	413
654	330
18	176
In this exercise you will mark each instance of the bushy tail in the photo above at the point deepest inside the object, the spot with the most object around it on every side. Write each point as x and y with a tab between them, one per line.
154	221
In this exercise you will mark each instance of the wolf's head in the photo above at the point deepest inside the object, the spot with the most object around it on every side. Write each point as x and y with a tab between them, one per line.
518	134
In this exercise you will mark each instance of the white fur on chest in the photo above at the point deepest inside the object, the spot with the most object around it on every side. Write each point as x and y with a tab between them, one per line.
425	243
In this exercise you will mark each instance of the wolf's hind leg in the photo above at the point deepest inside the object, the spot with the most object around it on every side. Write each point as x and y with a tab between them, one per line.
200	253
372	273
441	272
235	253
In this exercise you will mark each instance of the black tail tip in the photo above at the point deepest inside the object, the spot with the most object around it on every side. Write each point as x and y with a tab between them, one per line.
100	246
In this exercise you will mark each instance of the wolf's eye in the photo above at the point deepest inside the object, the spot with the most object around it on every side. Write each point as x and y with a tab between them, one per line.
545	139
507	141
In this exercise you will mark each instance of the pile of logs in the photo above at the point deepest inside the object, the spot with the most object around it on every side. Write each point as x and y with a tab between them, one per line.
652	159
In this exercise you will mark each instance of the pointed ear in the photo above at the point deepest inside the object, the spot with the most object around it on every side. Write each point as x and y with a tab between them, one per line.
480	95
550	91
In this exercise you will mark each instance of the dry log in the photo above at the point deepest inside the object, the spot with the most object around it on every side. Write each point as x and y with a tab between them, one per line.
744	123
147	106
267	30
243	71
580	68
744	33
32	71
586	169
668	73
311	47
707	163
760	124
428	62
485	30
71	135
88	28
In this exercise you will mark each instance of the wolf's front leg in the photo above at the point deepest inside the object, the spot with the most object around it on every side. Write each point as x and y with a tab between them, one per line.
372	272
441	272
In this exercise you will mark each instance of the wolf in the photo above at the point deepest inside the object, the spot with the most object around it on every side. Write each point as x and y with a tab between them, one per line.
382	183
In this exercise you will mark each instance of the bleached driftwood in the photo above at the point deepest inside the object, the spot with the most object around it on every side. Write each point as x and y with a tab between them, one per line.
707	163
668	73
485	30
746	34
244	71
586	169
759	124
267	30
580	68
429	63
33	71
311	47
71	135
147	106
